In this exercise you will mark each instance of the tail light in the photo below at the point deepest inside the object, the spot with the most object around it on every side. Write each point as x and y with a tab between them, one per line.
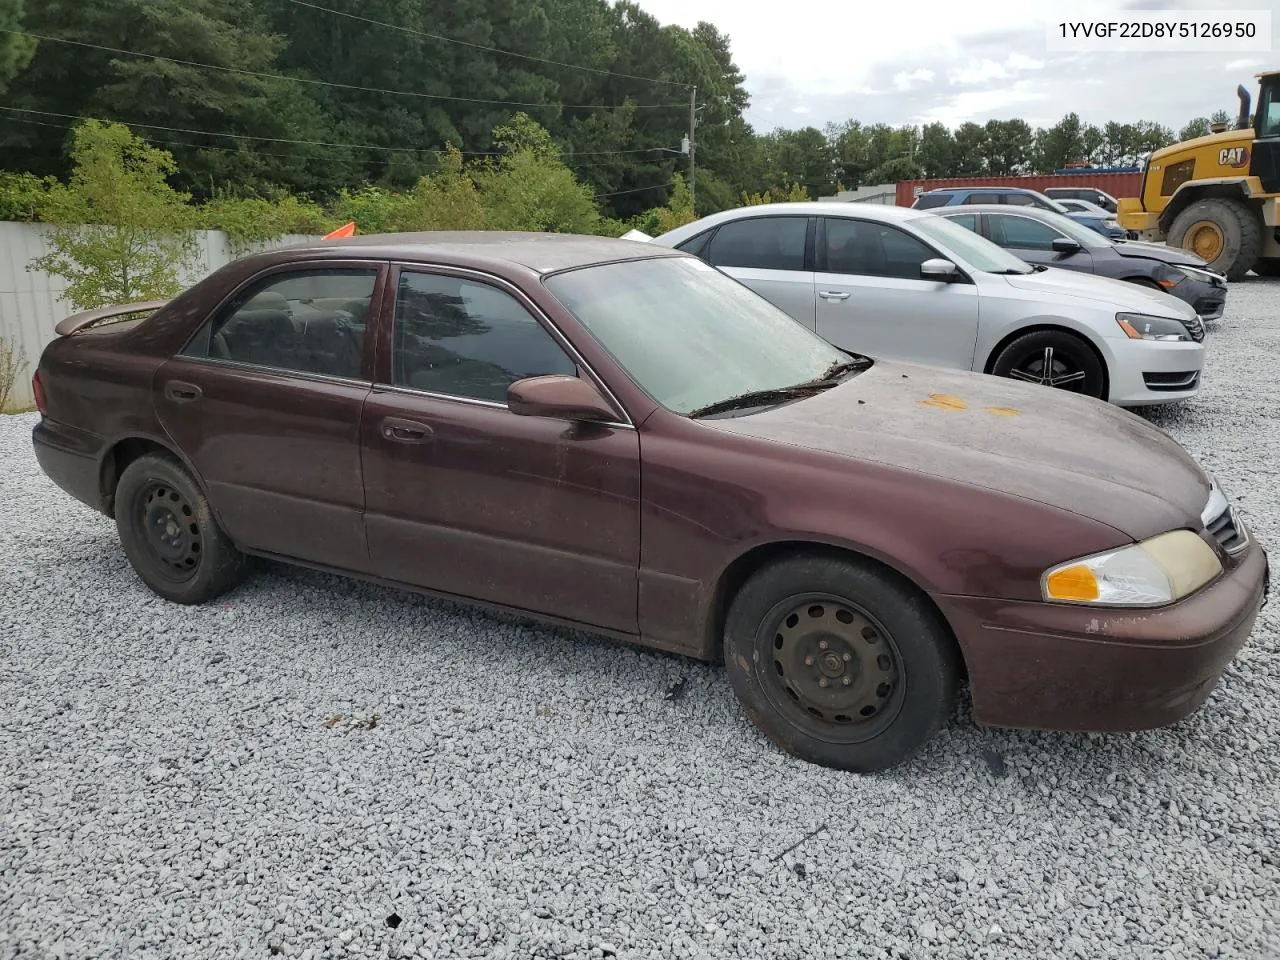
37	391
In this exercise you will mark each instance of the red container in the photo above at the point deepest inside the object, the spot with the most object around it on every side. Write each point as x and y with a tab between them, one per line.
1117	184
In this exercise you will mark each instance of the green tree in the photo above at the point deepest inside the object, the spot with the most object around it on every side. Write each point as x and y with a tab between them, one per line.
971	149
529	187
1199	127
1008	146
1061	144
937	151
15	50
120	233
1221	116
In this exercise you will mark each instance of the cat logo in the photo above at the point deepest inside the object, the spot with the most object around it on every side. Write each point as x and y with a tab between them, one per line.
1233	157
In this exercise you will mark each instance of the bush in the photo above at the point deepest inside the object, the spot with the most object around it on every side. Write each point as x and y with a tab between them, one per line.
792	194
121	233
22	194
12	362
250	221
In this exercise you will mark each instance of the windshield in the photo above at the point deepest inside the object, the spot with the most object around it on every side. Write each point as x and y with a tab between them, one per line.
689	335
978	252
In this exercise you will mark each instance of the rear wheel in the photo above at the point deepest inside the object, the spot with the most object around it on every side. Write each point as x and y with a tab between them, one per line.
1267	268
169	534
1225	233
840	663
1053	358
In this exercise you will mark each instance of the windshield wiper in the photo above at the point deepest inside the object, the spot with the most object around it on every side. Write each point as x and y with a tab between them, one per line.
759	398
843	366
1013	273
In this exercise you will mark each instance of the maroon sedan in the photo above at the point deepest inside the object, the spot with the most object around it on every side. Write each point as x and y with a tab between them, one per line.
618	437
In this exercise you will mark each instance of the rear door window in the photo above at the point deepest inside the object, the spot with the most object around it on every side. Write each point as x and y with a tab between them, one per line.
761	243
304	321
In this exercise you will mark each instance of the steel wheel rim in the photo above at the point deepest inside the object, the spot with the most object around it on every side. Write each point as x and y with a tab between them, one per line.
1205	240
170	531
830	669
1051	367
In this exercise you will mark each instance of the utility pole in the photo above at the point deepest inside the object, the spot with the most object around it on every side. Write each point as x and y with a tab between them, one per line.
693	123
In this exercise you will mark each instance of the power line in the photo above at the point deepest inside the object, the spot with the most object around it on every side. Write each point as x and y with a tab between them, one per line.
479	46
328	83
291	156
619	193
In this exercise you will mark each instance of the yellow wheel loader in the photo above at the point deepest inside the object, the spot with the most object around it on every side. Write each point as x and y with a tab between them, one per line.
1218	196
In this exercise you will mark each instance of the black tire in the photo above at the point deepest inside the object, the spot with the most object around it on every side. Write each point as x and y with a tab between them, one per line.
1241	231
169	534
1072	364
903	679
1267	268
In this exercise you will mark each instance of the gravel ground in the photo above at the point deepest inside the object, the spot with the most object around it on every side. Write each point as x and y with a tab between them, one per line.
319	768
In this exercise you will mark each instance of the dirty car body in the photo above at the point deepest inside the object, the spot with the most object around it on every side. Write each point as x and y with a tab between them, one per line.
560	427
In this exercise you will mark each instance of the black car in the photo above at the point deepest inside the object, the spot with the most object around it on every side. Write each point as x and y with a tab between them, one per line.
1044	237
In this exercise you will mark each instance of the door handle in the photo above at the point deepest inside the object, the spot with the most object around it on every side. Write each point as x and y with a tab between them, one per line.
833	295
405	431
181	392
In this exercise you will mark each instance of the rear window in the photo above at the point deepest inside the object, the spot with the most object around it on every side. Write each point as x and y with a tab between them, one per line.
927	200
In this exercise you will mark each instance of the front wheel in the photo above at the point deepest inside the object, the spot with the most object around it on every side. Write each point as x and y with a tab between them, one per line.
839	663
1053	358
1267	268
169	534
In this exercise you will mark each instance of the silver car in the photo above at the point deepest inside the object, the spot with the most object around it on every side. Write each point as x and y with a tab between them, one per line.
906	284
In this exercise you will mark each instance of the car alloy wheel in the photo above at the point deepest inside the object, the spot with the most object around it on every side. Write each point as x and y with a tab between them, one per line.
1053	358
1052	368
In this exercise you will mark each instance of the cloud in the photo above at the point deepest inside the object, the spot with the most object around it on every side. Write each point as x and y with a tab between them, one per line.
928	62
902	80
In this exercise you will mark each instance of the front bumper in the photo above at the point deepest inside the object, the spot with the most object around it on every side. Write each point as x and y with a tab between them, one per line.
1061	667
1145	373
1209	300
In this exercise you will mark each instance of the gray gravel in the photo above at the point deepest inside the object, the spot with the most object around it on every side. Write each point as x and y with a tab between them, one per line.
319	768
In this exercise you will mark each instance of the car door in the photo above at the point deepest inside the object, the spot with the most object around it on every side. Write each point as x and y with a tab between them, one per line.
464	497
265	403
873	300
771	255
1032	240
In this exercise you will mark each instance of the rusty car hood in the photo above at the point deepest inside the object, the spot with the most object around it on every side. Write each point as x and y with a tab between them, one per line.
1033	442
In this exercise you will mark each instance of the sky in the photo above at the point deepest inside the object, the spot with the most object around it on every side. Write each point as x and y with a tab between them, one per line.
810	62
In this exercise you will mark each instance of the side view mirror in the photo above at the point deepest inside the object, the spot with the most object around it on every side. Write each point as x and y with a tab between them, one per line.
939	269
560	396
1065	245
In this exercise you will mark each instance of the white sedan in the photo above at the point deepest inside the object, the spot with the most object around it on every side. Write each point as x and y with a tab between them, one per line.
904	284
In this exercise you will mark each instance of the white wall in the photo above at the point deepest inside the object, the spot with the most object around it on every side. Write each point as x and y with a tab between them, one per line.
30	301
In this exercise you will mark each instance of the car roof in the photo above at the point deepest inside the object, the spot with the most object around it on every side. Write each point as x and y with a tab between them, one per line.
991	208
539	252
812	208
986	188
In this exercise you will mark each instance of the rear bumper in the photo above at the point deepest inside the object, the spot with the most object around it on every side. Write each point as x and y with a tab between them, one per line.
1059	667
72	459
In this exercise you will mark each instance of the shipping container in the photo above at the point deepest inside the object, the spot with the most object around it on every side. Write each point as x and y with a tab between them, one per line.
1117	184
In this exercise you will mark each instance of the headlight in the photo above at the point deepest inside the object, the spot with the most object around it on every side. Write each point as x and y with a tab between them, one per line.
1140	326
1169	277
1148	574
1111	224
1204	276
